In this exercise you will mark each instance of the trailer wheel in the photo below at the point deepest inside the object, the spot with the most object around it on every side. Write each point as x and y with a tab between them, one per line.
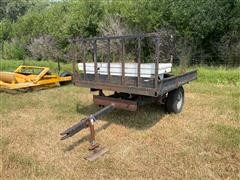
175	100
65	74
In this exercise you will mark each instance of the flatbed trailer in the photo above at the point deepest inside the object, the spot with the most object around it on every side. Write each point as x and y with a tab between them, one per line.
128	92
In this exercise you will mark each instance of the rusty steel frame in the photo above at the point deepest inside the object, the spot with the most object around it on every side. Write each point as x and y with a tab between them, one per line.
127	96
86	122
159	87
116	102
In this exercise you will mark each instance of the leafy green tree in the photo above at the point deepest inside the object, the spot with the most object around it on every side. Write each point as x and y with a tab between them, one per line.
28	26
12	9
202	27
84	17
5	29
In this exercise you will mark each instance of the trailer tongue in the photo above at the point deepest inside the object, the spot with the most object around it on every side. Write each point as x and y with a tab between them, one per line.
133	84
89	123
110	104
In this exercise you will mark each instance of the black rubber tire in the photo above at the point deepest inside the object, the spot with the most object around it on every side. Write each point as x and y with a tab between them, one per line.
175	100
65	74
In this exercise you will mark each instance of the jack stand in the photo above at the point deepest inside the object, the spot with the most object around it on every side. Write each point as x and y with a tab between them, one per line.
87	122
95	148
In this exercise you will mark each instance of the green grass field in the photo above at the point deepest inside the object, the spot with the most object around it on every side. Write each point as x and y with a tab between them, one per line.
214	75
10	65
203	141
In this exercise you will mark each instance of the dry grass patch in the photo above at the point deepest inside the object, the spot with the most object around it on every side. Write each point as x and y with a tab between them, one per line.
202	141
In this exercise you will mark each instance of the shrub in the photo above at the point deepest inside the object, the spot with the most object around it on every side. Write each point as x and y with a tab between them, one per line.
13	50
229	49
44	47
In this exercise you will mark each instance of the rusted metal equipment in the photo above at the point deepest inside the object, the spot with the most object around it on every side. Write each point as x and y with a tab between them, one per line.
89	123
129	91
31	77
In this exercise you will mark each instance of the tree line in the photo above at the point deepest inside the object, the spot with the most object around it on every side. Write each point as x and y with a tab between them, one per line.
205	31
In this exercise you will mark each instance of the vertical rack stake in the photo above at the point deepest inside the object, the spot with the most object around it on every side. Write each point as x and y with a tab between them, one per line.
95	59
75	72
108	58
139	61
123	63
171	51
157	61
84	60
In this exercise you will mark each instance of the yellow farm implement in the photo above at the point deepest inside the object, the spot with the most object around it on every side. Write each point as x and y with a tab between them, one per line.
31	77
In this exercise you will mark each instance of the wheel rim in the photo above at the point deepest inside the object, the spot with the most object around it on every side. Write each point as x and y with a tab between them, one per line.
179	101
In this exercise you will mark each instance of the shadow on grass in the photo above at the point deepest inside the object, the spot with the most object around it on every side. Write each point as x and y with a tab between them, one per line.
32	90
144	118
85	138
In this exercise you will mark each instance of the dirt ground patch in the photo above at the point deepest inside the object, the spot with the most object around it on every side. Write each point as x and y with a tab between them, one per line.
202	141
